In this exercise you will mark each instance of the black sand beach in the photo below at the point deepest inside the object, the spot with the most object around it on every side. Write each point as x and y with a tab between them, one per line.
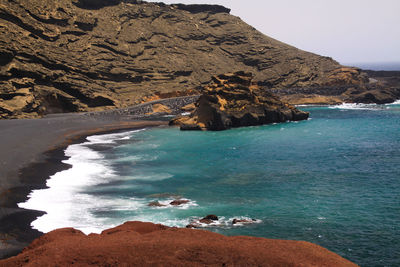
32	150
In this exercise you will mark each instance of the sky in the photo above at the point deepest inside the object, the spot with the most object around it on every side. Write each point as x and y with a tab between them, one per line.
350	31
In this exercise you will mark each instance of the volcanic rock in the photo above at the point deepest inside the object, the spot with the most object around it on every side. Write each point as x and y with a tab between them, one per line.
178	202
159	109
90	55
378	96
147	244
189	108
233	100
155	204
209	219
206	221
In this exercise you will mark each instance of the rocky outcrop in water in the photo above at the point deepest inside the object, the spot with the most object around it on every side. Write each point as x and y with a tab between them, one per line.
90	55
179	202
208	220
147	244
234	100
383	87
155	204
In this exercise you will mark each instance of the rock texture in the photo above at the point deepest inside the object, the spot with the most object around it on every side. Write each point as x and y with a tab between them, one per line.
178	202
208	220
233	100
147	244
384	87
89	55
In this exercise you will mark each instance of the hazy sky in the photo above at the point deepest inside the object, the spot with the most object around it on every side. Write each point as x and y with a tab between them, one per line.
350	31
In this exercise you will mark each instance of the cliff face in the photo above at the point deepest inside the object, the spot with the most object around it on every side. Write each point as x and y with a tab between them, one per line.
234	100
147	244
86	55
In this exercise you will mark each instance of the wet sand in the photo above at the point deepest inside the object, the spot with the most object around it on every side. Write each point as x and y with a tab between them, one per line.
30	151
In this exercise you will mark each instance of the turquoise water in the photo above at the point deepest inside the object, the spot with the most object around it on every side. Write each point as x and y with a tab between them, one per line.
333	180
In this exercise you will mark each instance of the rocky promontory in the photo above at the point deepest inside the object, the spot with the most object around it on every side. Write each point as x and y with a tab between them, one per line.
234	100
147	244
89	55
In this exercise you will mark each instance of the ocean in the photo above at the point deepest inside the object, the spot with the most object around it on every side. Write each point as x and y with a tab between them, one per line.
333	180
377	66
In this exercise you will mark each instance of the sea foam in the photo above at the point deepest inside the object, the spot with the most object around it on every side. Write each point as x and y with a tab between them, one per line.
65	202
357	106
361	106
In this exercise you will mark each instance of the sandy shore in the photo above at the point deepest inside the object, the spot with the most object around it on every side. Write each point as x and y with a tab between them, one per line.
31	151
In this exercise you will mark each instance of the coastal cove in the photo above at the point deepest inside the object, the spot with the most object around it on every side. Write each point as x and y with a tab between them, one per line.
331	180
32	150
143	133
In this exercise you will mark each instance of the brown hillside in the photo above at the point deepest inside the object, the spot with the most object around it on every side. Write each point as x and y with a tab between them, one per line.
84	55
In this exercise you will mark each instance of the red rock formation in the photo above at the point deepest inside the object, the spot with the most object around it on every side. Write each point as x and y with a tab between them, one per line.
144	244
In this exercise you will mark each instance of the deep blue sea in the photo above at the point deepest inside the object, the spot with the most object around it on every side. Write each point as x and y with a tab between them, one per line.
377	66
333	180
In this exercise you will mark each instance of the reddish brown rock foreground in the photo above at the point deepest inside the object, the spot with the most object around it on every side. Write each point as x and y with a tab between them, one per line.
143	244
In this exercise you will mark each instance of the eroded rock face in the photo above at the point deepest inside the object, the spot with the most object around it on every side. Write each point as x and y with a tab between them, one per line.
234	100
89	55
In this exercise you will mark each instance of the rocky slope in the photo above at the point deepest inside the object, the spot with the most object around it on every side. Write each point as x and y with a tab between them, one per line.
87	55
234	100
147	244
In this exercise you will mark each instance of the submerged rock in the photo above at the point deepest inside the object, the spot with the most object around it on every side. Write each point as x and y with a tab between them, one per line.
234	100
209	219
155	204
178	202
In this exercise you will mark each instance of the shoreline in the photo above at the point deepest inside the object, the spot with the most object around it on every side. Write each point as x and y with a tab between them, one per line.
64	129
32	151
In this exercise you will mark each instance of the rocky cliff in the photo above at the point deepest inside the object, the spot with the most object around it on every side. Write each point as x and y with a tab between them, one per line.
88	55
235	100
147	244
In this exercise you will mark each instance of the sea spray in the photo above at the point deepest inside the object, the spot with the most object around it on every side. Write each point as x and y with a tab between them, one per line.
65	202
